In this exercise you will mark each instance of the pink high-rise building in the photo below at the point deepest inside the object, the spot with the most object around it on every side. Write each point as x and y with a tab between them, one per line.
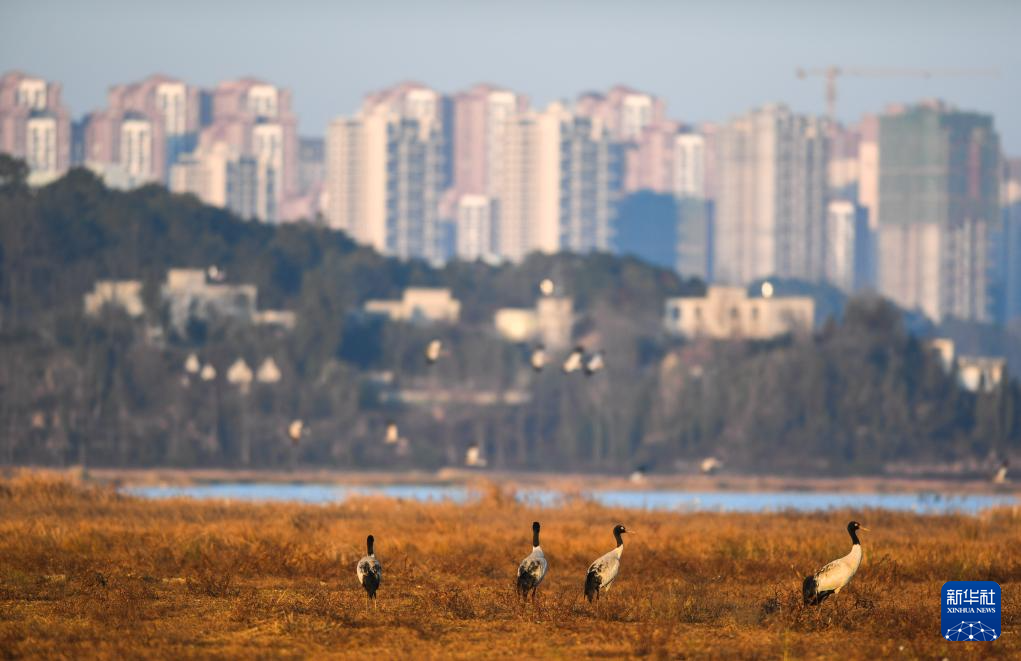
257	120
35	125
144	129
481	116
626	112
246	158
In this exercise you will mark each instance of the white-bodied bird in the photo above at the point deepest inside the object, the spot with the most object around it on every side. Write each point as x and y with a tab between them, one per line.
574	361
369	571
433	351
1000	476
603	571
538	358
392	435
594	363
835	576
532	569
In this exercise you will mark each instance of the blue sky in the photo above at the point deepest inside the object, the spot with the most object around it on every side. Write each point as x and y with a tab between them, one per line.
708	60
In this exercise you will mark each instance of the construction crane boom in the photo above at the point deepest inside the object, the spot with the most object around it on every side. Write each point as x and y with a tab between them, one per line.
830	74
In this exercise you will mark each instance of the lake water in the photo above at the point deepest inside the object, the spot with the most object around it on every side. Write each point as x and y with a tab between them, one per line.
681	501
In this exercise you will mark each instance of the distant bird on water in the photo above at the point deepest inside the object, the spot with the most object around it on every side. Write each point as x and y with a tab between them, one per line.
369	571
1000	477
594	363
835	576
604	570
532	569
574	361
433	350
538	358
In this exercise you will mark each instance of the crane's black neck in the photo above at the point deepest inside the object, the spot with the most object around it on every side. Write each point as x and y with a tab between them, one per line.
369	543
535	536
854	536
620	540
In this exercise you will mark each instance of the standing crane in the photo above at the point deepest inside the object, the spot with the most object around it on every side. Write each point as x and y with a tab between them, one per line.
832	73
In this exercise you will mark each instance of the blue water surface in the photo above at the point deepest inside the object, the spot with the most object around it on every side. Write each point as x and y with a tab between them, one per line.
662	500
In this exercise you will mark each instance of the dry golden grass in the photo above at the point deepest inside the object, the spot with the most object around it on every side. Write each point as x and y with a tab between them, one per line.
87	573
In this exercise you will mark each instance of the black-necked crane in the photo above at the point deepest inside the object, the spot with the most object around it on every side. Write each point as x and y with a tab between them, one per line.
1000	476
369	571
532	569
538	358
574	361
835	576
603	571
594	363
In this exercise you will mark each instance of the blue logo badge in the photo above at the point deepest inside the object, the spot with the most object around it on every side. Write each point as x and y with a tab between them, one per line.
971	610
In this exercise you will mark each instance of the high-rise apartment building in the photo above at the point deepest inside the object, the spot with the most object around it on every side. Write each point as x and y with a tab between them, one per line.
144	129
624	112
480	119
1006	247
35	125
770	207
385	172
938	207
689	164
848	257
476	227
246	157
561	178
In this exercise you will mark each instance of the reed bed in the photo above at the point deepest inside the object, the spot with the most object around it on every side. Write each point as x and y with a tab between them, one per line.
86	572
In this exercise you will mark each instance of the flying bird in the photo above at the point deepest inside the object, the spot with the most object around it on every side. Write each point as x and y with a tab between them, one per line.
574	362
538	358
392	435
532	569
835	576
369	571
604	570
433	351
295	430
594	363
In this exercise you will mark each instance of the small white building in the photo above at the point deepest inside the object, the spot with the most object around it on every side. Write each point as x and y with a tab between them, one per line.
419	305
729	313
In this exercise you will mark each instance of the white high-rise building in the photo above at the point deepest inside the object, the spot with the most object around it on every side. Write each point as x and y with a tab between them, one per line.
770	209
560	180
476	220
385	173
848	245
689	166
136	151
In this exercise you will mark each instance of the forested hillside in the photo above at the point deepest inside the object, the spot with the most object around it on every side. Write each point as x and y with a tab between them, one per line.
112	390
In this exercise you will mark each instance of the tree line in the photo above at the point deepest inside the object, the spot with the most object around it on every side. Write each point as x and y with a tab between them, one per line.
113	390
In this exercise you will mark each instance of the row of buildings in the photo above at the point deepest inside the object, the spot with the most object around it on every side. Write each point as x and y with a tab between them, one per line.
917	202
233	146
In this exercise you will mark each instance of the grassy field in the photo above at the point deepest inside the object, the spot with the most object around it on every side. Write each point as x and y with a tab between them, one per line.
87	573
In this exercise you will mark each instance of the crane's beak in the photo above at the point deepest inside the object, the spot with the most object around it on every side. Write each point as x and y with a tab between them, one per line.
863	528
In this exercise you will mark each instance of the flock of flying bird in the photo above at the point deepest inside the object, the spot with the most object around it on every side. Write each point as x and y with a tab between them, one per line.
601	574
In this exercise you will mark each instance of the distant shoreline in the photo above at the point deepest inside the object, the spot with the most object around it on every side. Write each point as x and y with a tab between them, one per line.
564	482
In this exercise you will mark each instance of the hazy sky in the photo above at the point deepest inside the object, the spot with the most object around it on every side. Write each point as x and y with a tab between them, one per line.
708	60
